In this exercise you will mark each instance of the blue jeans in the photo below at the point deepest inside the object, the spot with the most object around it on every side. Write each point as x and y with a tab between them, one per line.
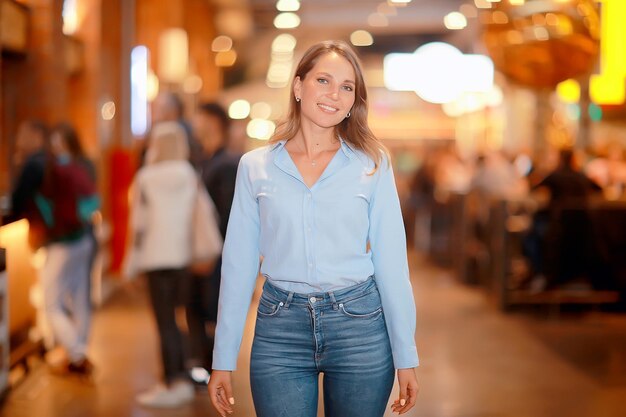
65	283
341	334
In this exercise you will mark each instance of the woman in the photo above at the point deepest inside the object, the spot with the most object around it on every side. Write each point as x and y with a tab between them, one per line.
162	204
319	204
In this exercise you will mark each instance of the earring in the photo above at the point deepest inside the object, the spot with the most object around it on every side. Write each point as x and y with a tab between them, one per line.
348	115
298	99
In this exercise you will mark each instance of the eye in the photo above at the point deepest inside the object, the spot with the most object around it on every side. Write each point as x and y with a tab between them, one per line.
348	88
322	80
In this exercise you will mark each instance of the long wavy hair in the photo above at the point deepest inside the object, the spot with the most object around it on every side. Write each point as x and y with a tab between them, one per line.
353	129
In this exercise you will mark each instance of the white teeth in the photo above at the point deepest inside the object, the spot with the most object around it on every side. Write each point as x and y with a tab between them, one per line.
328	108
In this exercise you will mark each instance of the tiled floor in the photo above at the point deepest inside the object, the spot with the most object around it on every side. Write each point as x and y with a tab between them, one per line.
476	361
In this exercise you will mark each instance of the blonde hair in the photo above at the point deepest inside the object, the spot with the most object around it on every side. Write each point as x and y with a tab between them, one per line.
168	142
354	129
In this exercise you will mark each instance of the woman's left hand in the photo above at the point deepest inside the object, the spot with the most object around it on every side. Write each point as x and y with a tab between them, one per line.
408	391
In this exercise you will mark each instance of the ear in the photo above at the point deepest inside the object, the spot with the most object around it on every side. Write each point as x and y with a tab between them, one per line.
297	87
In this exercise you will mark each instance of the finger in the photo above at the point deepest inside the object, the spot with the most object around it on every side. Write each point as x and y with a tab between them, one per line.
216	402
410	401
228	391
218	398
224	401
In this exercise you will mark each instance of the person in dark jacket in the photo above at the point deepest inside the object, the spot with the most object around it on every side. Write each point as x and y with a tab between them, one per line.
30	160
218	171
558	244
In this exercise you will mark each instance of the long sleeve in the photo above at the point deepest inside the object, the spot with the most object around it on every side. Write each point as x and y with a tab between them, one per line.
240	267
388	245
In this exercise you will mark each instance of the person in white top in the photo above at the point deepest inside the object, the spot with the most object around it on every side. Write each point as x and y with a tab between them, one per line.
162	200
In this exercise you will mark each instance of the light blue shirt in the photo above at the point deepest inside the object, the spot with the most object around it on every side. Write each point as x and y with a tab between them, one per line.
314	240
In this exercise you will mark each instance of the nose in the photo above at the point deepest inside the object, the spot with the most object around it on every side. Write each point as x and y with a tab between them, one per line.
334	94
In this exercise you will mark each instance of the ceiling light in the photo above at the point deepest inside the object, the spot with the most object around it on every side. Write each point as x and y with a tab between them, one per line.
226	58
222	44
286	21
288	5
361	38
239	109
455	21
284	43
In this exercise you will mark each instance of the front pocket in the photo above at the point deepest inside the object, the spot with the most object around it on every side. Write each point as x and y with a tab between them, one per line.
362	307
359	316
269	308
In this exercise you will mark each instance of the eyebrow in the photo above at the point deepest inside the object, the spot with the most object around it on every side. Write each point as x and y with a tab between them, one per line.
328	75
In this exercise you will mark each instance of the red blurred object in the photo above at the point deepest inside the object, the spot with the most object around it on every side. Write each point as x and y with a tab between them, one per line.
122	170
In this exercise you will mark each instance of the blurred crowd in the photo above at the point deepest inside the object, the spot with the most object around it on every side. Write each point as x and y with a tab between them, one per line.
185	180
554	202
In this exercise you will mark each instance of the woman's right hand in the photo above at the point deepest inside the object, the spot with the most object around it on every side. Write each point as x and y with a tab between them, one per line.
221	392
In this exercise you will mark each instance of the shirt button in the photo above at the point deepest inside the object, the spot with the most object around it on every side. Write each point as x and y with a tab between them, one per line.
312	300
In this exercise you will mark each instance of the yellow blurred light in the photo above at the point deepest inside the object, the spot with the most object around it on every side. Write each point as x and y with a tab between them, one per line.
239	109
609	87
261	110
569	91
279	72
499	17
226	58
288	5
455	21
468	11
192	84
482	4
284	43
152	86
70	17
108	110
361	38
222	43
173	55
260	129
386	9
514	37
377	20
286	21
541	33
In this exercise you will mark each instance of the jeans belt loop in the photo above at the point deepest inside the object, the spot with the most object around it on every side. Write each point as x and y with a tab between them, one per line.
333	300
289	299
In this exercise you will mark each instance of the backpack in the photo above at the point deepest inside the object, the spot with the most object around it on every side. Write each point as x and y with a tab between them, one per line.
66	200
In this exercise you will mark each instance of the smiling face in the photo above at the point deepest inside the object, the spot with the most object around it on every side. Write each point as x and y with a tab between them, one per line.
326	91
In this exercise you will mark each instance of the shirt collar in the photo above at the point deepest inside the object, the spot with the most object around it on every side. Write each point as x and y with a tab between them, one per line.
346	148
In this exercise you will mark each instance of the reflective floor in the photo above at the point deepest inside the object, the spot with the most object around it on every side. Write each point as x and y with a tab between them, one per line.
476	361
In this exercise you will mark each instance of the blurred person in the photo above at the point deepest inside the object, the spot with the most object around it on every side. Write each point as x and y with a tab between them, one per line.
320	206
30	161
567	188
608	170
452	173
496	177
66	144
162	201
66	200
168	107
218	171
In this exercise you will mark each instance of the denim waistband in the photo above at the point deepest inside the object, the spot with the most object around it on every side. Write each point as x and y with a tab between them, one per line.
321	298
